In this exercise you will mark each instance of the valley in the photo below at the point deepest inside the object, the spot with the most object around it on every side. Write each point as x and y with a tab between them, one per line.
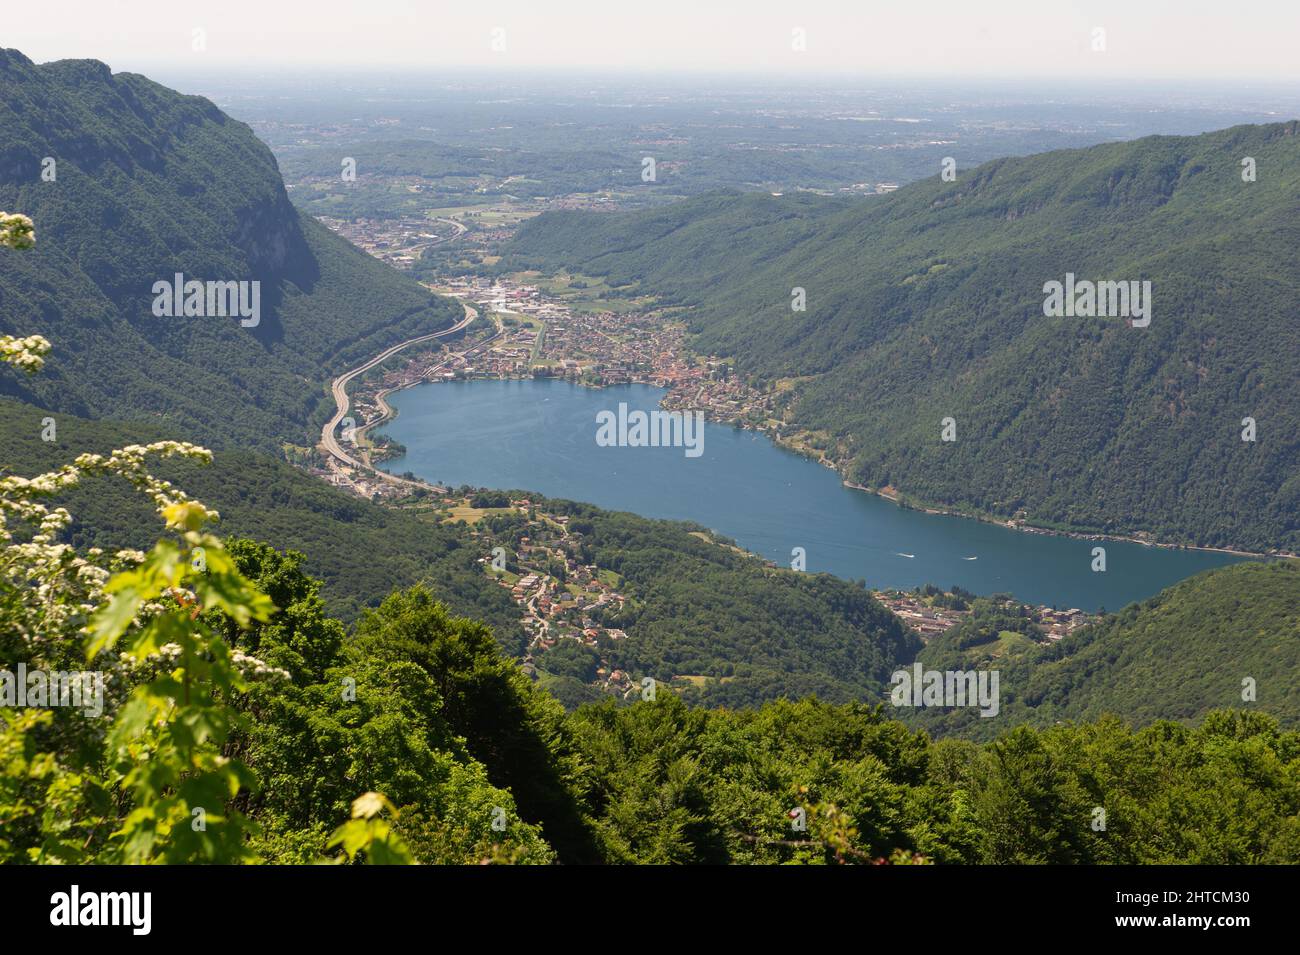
563	468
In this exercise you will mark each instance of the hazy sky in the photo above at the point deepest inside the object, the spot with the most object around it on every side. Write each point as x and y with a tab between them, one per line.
1172	39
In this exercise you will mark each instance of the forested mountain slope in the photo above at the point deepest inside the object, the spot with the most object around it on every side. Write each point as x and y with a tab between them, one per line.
360	550
1229	637
929	303
148	183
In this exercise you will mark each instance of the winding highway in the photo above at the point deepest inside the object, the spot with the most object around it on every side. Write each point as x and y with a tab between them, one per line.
422	247
342	402
386	410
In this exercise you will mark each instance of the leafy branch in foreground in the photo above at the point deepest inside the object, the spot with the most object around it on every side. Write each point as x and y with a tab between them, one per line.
162	754
140	776
369	836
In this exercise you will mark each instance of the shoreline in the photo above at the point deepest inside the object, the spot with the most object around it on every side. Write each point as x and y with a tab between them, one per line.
895	498
1074	535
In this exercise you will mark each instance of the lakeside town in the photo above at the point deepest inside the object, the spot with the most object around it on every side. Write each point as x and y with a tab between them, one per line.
527	334
545	337
538	557
932	613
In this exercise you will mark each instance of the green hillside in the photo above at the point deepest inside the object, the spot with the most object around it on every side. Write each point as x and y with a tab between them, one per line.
928	303
744	632
700	608
148	183
1184	652
359	550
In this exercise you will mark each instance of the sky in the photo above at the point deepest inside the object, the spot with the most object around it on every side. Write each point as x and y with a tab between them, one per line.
1150	39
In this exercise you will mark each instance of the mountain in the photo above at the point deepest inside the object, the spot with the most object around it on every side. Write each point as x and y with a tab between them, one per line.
928	304
406	727
131	183
1202	644
148	183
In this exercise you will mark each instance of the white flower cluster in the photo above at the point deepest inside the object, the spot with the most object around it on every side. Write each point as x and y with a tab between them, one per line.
254	669
16	231
56	588
25	353
249	666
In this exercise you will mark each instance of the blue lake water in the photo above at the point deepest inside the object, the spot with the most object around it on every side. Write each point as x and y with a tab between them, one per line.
540	435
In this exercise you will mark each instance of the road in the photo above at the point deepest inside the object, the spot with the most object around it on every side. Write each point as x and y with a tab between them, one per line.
343	402
422	247
386	411
460	229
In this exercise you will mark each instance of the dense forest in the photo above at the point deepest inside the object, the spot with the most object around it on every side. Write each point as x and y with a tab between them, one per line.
928	304
442	751
1215	640
149	183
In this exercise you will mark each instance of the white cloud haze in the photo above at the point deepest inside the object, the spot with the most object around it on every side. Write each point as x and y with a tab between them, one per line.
1169	39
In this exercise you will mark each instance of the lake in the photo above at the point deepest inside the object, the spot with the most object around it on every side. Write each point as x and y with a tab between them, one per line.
540	435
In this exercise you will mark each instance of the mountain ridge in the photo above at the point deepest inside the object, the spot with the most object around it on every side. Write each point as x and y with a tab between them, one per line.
147	183
927	304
